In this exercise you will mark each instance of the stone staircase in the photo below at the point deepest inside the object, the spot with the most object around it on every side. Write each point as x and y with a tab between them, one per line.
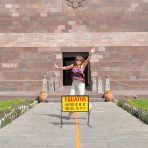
95	97
55	97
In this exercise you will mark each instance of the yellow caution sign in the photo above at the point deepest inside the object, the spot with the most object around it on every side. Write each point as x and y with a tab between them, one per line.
75	103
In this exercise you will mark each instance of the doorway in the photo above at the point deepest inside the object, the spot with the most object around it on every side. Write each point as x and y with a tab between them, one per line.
68	59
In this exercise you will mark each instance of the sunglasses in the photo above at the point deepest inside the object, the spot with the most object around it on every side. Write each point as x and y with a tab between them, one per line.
78	60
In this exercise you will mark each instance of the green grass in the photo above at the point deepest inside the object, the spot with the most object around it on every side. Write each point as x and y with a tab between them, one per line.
7	104
11	106
139	103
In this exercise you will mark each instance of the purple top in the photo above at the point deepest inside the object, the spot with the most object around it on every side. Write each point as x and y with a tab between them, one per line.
78	74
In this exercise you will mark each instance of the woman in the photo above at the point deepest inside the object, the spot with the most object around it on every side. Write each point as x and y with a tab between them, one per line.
78	76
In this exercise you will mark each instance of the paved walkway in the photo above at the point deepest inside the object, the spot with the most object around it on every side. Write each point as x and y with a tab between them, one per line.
110	127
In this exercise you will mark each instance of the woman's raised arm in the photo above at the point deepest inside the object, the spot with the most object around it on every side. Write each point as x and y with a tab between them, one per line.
89	57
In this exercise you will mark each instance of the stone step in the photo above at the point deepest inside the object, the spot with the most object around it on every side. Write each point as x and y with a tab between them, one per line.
66	91
91	99
56	96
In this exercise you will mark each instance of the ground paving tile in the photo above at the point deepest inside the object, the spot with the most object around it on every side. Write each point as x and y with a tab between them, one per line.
110	127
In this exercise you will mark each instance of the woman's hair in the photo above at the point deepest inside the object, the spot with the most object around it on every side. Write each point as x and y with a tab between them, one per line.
79	58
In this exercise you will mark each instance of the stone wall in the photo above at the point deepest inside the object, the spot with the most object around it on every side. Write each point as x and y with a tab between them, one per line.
44	16
23	68
33	35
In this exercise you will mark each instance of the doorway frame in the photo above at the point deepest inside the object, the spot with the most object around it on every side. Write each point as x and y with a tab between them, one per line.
66	54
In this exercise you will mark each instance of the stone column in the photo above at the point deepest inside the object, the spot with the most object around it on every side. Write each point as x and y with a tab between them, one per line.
52	83
100	87
44	87
94	84
107	83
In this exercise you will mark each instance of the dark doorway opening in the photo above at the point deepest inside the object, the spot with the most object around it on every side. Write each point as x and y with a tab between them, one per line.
68	59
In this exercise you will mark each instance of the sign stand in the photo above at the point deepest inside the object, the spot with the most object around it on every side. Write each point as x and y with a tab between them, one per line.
88	117
73	103
61	119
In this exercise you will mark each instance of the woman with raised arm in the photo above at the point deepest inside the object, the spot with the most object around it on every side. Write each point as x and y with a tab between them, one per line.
78	76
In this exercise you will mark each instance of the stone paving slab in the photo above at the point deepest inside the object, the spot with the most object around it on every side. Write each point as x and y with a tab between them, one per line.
110	127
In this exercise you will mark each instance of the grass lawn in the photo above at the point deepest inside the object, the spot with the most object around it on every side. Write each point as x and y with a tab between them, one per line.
139	103
7	104
9	109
